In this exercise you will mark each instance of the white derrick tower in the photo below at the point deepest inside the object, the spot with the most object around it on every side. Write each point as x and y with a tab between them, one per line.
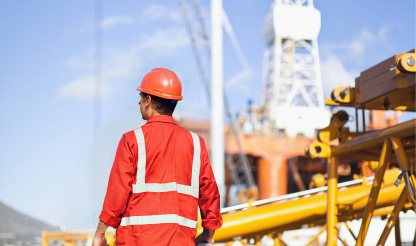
293	96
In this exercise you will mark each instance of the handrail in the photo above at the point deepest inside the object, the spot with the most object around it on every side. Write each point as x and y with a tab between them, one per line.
291	196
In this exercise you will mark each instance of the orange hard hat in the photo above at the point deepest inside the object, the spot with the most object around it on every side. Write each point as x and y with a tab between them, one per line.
162	82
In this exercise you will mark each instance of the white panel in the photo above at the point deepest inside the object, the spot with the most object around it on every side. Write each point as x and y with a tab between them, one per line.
302	120
296	22
217	96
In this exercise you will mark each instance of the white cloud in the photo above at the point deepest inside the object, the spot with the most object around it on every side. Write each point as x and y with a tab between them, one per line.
113	21
82	88
83	62
334	74
105	24
121	64
335	56
165	42
355	49
238	80
156	12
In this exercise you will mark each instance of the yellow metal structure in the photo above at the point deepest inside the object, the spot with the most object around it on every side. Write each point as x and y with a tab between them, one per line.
288	214
393	217
72	238
375	190
318	180
318	150
332	131
343	94
406	62
332	202
361	200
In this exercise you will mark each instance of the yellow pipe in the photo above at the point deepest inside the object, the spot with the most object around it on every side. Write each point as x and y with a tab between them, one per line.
332	219
293	214
364	174
393	217
315	237
383	211
375	189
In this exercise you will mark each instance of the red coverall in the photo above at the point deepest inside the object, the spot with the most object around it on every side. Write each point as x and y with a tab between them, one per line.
150	197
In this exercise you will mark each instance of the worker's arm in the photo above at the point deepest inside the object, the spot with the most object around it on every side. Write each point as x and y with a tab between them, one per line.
206	236
119	185
209	198
99	238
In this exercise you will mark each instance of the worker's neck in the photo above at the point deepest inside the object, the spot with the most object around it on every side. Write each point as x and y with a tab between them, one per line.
147	115
154	113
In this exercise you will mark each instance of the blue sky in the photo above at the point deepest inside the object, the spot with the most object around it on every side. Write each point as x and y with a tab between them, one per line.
54	161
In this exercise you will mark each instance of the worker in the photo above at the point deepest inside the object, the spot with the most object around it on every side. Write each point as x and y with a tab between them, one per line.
161	173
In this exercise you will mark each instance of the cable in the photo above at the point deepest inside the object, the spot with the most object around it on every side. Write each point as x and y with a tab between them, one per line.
409	182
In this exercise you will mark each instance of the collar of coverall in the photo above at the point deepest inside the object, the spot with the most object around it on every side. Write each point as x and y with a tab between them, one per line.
161	118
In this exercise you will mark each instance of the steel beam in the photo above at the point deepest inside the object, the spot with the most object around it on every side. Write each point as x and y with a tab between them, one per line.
393	217
217	96
349	229
258	240
402	159
375	138
315	237
397	232
277	242
332	202
375	190
414	240
400	153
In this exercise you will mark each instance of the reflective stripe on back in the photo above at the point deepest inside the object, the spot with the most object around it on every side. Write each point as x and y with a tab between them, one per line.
142	186
158	219
196	163
141	162
153	187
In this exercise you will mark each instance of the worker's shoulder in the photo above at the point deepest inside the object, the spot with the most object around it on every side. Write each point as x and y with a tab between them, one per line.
180	128
130	136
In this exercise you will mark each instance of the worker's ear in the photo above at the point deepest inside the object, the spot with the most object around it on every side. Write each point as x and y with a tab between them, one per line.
148	100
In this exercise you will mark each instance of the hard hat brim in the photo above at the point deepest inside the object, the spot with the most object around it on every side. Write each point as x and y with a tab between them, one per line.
158	93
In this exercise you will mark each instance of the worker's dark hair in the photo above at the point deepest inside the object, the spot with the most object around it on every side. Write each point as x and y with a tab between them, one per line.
161	105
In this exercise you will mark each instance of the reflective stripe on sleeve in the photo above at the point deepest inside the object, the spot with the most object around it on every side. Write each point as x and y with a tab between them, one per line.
142	186
158	219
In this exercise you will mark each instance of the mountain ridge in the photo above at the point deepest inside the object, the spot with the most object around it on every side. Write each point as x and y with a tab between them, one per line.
17	226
